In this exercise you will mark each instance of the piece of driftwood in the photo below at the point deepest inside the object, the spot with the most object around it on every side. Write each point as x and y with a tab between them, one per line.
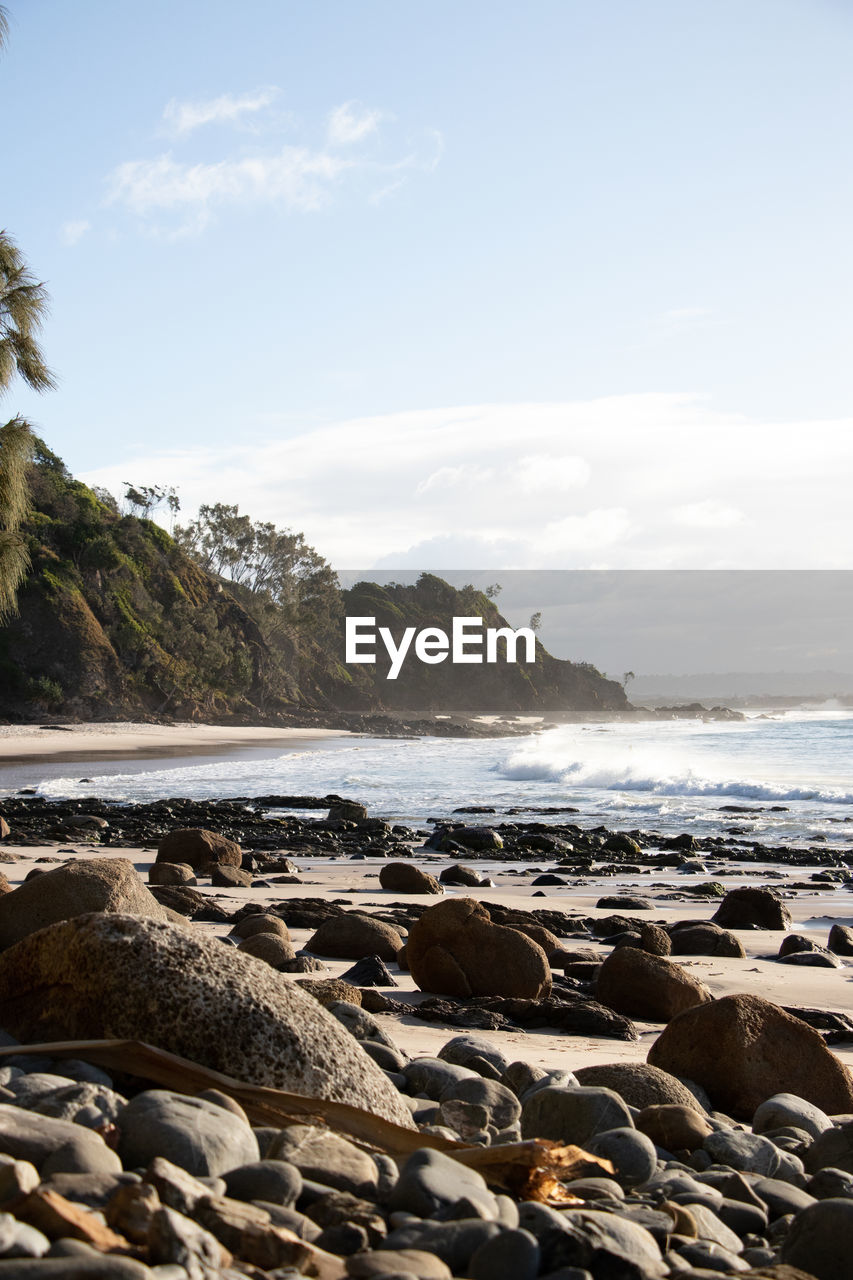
532	1170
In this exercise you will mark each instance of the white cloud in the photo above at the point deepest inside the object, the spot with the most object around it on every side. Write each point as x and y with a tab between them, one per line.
668	478
172	195
352	122
72	232
548	471
180	118
295	178
708	514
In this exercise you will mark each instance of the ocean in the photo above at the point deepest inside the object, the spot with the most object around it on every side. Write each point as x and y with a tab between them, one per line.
786	779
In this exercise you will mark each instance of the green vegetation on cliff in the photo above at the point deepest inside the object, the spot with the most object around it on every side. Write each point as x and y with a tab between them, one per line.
232	621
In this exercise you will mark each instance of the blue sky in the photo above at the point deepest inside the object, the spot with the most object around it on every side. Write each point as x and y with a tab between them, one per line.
450	283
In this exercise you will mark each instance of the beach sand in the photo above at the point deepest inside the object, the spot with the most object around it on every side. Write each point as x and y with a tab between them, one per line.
357	882
57	741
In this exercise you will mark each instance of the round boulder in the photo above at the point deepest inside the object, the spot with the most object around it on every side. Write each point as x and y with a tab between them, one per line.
743	1050
405	877
123	977
260	923
199	848
454	949
352	935
639	1084
169	873
96	884
643	985
742	908
269	947
702	938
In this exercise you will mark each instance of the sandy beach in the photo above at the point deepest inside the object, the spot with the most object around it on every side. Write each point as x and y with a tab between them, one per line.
25	743
356	883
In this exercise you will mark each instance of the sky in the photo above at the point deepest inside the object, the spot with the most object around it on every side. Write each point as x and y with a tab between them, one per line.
555	285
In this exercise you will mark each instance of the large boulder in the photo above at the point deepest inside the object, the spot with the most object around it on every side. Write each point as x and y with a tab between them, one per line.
743	1050
405	877
703	938
75	889
352	935
638	1084
643	985
454	949
743	908
199	849
123	977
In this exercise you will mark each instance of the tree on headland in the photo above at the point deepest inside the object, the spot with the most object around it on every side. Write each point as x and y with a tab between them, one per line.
23	303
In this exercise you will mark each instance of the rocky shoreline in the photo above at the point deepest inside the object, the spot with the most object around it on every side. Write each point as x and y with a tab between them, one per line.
727	1150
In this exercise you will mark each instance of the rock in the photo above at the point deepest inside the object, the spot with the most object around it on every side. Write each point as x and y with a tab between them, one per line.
100	976
819	1240
173	1238
454	949
463	1050
631	1152
832	1149
5	830
398	1264
655	940
98	884
795	942
346	811
277	1181
502	1107
329	991
815	958
743	1050
639	1084
434	1077
431	1181
604	1245
702	938
269	947
53	1146
405	877
746	1152
642	985
170	873
223	876
513	1255
548	941
91	1105
323	1156
196	1135
370	971
743	907
198	848
785	1109
454	1242
673	1127
352	935
5	885
622	902
573	1115
481	839
461	875
841	940
249	926
175	1187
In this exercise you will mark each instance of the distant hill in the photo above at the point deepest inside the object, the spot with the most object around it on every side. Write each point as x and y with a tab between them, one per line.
117	621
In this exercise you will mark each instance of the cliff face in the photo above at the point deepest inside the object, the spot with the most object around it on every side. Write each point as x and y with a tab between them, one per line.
550	686
116	622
